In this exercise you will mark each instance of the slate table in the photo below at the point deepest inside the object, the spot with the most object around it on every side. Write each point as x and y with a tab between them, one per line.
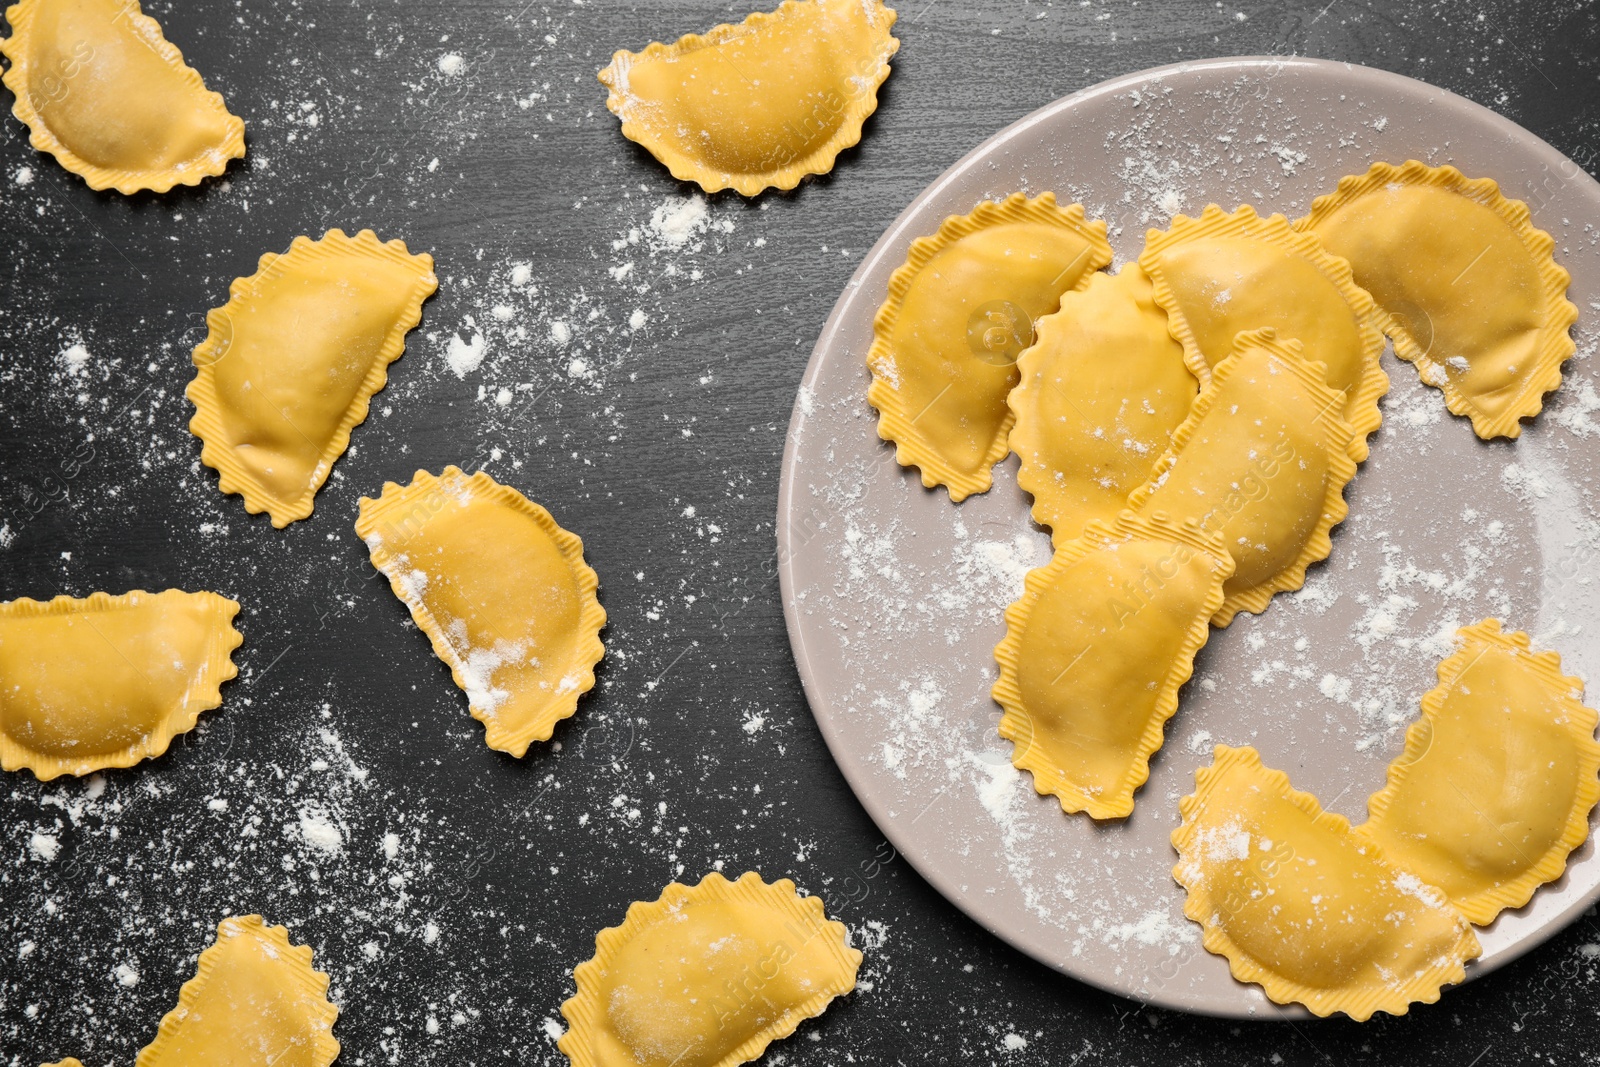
639	359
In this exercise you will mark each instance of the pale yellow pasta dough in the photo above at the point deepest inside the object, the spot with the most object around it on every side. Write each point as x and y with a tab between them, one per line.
107	681
291	361
103	91
1101	392
1498	776
1222	274
707	976
1263	459
1297	902
502	592
760	104
1095	652
255	1001
1469	289
960	311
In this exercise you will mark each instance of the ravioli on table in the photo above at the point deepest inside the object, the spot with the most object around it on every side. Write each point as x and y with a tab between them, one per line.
292	360
101	89
106	681
708	975
502	592
255	1001
761	104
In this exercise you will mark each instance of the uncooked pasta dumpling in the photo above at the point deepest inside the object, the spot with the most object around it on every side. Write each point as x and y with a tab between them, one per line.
760	104
959	313
1263	459
101	89
706	976
1298	903
501	590
1222	274
1102	391
1469	289
1498	776
1096	650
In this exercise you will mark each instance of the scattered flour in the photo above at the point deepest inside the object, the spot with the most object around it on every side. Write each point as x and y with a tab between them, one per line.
680	220
1574	407
44	847
320	832
1526	483
872	935
1155	927
76	357
998	789
466	356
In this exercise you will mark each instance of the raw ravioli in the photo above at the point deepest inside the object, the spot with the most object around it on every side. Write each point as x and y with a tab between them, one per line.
500	589
107	681
1222	274
1468	289
1102	390
706	976
1306	908
1095	652
293	358
255	1001
761	104
1263	458
1498	777
103	91
959	313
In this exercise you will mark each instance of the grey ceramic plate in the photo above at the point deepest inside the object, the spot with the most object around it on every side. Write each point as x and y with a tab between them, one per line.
894	596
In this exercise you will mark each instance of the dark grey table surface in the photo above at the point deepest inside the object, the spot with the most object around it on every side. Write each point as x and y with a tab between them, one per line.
654	430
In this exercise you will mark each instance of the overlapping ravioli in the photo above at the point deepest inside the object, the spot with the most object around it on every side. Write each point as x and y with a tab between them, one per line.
500	589
107	681
103	91
1095	652
1263	459
706	976
1298	903
1498	777
1101	392
1468	289
960	311
255	1001
762	104
1222	274
293	358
